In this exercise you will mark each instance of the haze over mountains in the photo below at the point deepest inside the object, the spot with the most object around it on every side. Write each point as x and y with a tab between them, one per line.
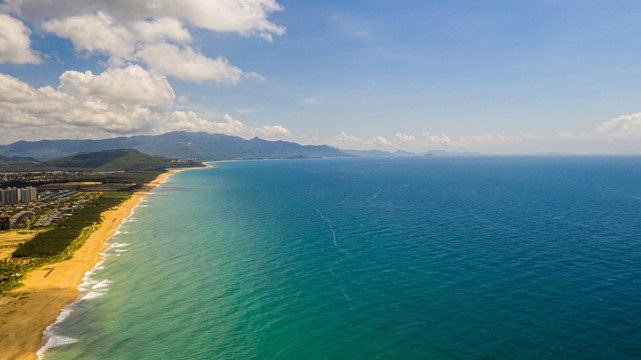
177	145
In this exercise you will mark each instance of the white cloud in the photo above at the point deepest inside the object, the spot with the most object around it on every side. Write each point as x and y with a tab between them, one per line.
378	141
247	17
15	91
95	33
441	140
255	76
93	103
404	139
345	141
15	45
144	40
231	126
622	127
132	85
188	64
153	32
620	134
116	102
160	30
272	132
186	121
47	111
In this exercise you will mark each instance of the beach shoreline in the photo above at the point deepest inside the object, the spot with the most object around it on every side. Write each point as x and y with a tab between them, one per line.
27	312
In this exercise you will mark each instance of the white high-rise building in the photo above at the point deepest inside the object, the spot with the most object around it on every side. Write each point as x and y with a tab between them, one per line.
28	194
13	195
10	195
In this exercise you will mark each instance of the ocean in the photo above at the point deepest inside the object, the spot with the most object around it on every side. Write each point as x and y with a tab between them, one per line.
401	258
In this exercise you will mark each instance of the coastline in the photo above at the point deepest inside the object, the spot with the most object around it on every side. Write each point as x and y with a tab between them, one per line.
28	311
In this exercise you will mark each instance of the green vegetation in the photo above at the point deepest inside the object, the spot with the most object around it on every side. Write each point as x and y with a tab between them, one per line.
15	161
112	160
107	160
11	272
53	242
59	243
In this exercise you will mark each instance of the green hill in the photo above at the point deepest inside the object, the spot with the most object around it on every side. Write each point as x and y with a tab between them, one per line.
111	160
15	160
4	161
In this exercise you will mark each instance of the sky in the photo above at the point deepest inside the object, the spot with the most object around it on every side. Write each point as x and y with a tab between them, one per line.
496	77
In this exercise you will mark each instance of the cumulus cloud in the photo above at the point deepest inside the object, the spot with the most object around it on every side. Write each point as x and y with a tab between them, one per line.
82	101
344	141
14	91
118	101
132	85
15	45
95	33
188	64
153	32
272	132
404	139
439	141
231	126
620	134
145	42
378	141
624	127
161	29
247	17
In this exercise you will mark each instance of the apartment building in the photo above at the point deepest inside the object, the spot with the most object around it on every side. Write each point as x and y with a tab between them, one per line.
14	195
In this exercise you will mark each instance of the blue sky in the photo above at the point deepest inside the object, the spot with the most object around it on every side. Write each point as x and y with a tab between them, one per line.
488	76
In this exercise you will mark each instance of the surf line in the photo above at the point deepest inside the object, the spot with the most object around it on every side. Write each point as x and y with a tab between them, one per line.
331	227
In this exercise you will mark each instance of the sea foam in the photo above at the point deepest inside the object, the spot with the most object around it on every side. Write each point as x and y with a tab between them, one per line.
55	341
88	288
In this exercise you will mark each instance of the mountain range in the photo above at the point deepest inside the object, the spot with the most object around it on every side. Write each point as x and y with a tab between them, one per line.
176	145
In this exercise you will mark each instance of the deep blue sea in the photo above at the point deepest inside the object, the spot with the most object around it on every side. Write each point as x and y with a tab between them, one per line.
403	258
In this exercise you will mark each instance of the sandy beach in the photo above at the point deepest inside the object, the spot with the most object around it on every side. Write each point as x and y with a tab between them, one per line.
26	312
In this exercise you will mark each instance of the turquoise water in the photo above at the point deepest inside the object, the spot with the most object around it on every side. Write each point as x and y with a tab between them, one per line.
427	258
